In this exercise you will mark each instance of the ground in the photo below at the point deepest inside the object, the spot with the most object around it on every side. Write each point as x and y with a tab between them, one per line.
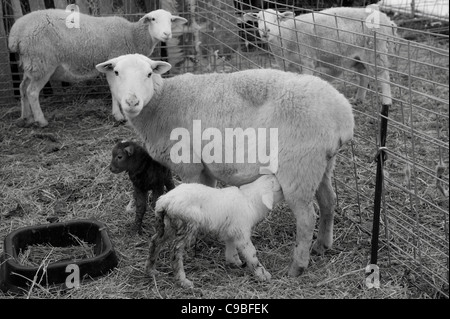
62	171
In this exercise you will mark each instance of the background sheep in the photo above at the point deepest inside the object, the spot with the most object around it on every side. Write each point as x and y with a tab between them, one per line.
312	118
49	49
329	42
145	174
229	212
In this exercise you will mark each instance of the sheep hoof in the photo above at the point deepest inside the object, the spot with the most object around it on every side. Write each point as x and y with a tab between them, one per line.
263	275
319	248
24	123
296	271
186	283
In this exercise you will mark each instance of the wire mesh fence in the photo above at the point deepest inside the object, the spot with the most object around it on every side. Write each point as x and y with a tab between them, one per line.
372	62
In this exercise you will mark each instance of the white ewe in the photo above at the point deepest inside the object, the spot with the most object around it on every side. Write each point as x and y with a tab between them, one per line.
312	118
330	41
230	213
48	48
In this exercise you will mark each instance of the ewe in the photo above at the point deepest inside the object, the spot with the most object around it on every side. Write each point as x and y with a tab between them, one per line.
312	118
330	41
230	213
49	49
145	174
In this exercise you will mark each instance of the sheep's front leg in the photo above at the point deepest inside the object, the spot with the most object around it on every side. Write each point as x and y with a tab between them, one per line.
116	112
231	253
140	198
248	251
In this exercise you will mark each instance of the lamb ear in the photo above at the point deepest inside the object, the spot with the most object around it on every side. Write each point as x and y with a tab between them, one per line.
267	199
250	17
129	150
160	67
179	20
286	15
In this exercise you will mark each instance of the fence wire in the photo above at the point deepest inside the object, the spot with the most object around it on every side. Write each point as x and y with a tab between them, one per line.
414	219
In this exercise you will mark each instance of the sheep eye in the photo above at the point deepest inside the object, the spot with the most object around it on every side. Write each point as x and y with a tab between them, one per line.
119	157
149	75
153	19
116	73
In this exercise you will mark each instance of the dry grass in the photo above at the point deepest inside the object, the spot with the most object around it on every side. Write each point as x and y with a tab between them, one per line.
63	171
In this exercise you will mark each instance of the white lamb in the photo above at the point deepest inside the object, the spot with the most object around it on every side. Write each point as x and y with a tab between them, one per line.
49	49
230	213
312	119
330	41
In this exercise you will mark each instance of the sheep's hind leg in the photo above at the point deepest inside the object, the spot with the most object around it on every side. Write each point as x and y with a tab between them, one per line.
26	118
363	82
183	237
33	90
140	198
326	199
156	243
248	251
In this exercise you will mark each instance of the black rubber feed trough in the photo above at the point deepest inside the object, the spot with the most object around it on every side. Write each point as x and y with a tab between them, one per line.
15	277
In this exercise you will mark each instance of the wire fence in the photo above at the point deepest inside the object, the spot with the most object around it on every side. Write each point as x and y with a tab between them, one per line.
397	65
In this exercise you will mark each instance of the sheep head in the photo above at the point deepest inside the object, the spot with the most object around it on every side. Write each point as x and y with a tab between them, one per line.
269	21
159	24
132	79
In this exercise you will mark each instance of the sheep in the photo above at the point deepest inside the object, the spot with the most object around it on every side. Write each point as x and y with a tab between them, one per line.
49	49
145	174
230	212
330	41
311	118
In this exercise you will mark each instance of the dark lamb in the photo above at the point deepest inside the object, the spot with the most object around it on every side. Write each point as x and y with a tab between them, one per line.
145	173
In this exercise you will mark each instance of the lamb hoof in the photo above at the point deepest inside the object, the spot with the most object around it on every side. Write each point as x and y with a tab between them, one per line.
296	271
186	284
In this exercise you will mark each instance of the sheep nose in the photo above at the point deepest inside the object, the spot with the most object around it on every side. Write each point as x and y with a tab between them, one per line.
132	101
167	35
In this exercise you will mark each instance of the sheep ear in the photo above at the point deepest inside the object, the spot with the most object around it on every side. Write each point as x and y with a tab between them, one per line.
286	15
129	150
251	17
267	199
160	67
145	19
179	20
107	66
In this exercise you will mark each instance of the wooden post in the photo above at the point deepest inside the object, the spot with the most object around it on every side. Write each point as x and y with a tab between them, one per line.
6	81
37	5
151	5
17	9
130	9
60	4
83	5
105	7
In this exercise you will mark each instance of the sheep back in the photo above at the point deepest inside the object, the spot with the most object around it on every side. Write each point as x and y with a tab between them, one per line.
312	117
43	40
